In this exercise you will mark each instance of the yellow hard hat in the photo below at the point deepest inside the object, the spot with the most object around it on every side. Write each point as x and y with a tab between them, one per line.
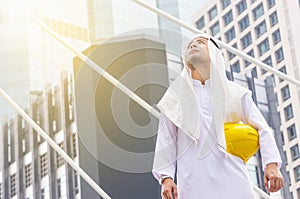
242	140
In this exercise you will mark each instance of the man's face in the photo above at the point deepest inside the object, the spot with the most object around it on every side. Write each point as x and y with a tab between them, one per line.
197	52
196	43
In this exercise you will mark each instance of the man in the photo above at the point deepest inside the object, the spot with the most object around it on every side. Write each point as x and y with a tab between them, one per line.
191	139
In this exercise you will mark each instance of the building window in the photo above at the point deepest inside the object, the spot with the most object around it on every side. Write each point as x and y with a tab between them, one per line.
246	40
215	29
71	113
254	72
274	83
295	152
285	93
228	17
276	37
200	23
267	61
28	174
283	70
253	174
250	53
258	11
74	142
23	144
244	23
76	187
273	18
241	6
271	3
43	193
297	173
213	12
253	1
230	34
13	185
292	132
231	55
279	55
225	3
288	112
285	158
283	142
263	71
54	126
263	47
67	29
236	67
58	188
260	29
43	165
59	158
289	177
9	143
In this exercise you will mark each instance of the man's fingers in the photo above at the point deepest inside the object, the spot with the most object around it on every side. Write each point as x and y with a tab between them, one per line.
272	183
279	184
175	193
167	194
266	182
273	179
169	189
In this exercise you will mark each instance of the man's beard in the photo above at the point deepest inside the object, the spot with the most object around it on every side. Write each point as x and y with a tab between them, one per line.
199	60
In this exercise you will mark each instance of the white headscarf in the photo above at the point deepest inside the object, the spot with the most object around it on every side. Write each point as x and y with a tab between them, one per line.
179	103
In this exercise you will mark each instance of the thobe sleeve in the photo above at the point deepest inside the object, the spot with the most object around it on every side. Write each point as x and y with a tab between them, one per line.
253	117
164	162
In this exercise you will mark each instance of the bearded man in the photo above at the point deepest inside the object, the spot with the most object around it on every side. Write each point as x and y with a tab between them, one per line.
191	142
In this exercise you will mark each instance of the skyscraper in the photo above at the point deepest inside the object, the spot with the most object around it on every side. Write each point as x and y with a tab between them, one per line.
29	167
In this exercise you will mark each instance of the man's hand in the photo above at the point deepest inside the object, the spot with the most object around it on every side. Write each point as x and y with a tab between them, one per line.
167	188
273	178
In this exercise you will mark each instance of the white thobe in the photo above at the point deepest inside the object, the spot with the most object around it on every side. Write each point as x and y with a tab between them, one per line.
218	174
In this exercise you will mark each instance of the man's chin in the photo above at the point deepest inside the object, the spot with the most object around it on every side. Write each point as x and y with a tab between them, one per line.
195	59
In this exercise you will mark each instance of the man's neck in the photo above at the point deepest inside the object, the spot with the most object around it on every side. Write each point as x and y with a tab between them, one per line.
202	78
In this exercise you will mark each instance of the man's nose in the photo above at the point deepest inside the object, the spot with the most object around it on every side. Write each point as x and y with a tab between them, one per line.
193	44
